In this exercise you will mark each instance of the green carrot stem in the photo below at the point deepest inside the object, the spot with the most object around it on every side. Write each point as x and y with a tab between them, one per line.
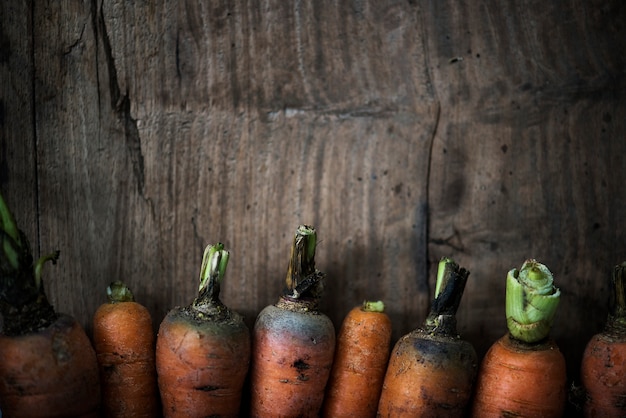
40	263
214	262
117	292
617	299
302	277
531	301
11	240
371	306
451	280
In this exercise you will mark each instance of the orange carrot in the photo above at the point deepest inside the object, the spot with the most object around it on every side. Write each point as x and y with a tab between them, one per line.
431	370
523	374
361	356
48	367
603	368
124	343
203	350
293	343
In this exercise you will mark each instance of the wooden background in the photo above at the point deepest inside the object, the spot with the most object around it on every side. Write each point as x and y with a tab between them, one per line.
135	133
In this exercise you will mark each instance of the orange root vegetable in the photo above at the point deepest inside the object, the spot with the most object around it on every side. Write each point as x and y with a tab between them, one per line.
361	357
603	367
431	370
125	347
203	350
48	366
293	343
523	374
43	374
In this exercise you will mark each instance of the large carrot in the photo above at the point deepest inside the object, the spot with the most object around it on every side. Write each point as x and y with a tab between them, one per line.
48	367
431	370
124	341
603	367
203	350
293	343
523	374
361	355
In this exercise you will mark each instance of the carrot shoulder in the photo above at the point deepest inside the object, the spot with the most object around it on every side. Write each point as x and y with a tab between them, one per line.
48	366
203	350
523	374
293	343
431	370
361	357
603	366
125	347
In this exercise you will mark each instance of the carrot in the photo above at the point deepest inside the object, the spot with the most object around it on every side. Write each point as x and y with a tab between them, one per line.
523	374
293	342
125	343
361	355
431	370
48	366
203	350
603	366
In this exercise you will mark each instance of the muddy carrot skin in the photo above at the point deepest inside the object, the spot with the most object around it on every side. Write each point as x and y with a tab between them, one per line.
523	374
125	347
293	343
361	356
603	367
431	370
203	350
48	366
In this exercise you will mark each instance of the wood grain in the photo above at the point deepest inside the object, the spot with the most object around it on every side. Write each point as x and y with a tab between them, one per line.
403	131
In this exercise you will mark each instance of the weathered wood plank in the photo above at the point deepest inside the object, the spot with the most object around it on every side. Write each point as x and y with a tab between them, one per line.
403	131
236	123
18	177
526	162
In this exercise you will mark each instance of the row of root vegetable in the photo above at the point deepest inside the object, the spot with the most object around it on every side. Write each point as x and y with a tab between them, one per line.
293	363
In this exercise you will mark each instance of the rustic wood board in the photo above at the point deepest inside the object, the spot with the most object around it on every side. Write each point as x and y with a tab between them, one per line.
403	131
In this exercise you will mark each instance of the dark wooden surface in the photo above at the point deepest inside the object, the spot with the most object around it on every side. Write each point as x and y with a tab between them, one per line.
136	133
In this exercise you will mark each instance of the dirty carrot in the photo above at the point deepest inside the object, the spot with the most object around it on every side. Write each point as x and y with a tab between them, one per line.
125	343
523	374
203	350
48	366
361	355
293	342
603	367
431	370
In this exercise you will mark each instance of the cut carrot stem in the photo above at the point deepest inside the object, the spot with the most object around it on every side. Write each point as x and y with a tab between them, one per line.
361	355
293	342
523	374
603	366
431	370
203	350
125	347
48	365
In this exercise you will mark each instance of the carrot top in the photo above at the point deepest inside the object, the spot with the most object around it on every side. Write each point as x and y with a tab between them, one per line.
207	305
304	282
617	300
117	292
23	303
531	301
451	280
371	306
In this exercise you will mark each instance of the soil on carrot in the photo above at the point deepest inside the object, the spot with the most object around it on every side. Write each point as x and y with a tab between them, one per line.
30	318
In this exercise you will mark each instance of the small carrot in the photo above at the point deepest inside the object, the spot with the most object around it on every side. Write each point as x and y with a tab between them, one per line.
603	366
361	356
431	370
48	366
203	350
523	374
125	343
293	342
